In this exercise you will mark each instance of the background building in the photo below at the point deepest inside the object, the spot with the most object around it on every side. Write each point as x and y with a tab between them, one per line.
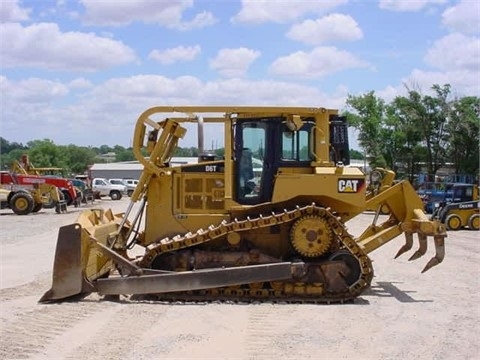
129	169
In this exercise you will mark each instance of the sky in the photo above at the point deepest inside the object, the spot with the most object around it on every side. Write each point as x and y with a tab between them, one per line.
82	71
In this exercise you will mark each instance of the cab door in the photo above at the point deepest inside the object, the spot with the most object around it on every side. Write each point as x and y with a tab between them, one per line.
254	160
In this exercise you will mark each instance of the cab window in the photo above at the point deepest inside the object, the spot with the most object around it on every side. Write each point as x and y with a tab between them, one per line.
296	144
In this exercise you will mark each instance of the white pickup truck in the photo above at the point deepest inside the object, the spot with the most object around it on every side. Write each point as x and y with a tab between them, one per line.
129	183
102	187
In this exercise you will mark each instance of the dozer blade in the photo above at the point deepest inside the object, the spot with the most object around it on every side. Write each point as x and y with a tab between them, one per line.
78	259
67	278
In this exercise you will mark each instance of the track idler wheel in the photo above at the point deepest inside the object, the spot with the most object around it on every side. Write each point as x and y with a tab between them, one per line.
354	269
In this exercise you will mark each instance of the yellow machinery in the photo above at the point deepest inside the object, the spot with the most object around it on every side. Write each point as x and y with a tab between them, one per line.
460	208
24	200
380	180
265	221
24	168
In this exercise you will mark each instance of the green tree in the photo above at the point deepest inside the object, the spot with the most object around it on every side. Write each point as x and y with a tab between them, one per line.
220	152
9	152
428	115
367	114
356	155
78	158
463	135
124	154
44	153
417	124
8	159
6	146
405	135
418	129
186	152
104	149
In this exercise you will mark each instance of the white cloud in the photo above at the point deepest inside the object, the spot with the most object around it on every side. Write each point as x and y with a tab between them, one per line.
334	27
264	92
407	5
461	81
200	20
455	52
138	92
11	11
43	45
391	92
113	106
80	83
32	91
167	13
154	89
124	12
131	90
234	62
110	108
321	61
179	53
463	17
262	11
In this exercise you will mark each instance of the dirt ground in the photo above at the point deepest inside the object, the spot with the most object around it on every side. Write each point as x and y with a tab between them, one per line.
405	315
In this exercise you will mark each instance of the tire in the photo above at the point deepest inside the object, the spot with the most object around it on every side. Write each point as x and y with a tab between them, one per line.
453	222
37	207
88	195
79	199
67	197
474	222
50	204
115	195
22	203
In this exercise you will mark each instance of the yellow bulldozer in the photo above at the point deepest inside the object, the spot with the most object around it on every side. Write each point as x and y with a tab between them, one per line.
265	221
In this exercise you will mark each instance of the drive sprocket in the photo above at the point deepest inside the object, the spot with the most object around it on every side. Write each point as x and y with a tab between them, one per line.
311	236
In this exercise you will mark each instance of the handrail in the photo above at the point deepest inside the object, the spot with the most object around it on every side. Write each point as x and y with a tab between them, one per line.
162	141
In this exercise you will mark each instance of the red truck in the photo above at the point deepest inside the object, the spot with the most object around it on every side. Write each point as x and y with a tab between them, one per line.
64	185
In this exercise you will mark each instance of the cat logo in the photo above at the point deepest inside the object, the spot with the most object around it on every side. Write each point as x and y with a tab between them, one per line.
350	185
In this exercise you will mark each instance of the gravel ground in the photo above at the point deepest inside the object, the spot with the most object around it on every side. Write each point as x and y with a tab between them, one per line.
405	315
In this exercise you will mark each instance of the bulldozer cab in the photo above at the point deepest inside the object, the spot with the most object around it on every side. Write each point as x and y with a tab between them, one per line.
265	145
262	146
